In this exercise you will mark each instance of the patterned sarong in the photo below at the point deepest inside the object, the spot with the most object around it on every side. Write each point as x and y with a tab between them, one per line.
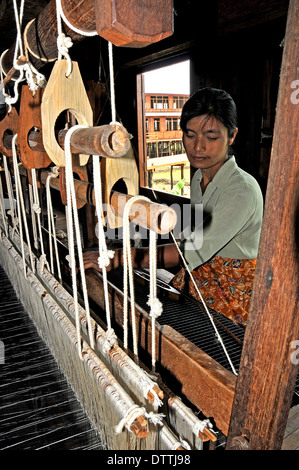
224	283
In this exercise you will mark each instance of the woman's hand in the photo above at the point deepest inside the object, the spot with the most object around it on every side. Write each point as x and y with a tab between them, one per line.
90	260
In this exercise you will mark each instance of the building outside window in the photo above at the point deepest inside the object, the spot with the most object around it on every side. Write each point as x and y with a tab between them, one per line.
179	101
159	102
162	101
157	124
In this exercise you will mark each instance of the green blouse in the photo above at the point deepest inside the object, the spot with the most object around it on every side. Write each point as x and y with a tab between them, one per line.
232	208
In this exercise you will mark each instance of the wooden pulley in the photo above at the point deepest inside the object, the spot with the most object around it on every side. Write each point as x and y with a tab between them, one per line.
30	119
8	125
133	23
62	94
80	171
120	175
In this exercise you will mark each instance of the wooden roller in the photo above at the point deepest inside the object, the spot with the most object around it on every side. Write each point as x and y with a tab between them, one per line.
134	23
110	140
151	215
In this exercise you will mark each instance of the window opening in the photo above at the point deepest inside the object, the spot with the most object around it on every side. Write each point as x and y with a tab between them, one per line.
164	94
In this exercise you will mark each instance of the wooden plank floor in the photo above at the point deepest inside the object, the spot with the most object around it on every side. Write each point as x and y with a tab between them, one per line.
291	435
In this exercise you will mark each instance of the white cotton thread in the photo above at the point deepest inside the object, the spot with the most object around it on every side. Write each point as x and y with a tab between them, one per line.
64	43
34	78
12	211
135	412
37	210
201	425
153	302
109	340
21	209
72	217
128	283
201	297
131	414
51	223
105	255
76	30
146	386
3	215
204	304
181	443
112	88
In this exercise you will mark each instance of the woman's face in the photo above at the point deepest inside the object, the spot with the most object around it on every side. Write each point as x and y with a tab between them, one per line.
206	143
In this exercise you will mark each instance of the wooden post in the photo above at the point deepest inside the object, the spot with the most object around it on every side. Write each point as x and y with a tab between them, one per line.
269	362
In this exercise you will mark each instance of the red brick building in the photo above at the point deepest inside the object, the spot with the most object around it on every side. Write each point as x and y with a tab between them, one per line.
163	134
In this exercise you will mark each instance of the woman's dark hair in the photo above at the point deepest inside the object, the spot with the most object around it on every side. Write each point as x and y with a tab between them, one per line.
211	102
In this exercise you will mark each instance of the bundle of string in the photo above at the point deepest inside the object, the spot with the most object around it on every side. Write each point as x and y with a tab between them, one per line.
36	214
64	43
105	255
128	284
51	223
34	78
22	217
72	218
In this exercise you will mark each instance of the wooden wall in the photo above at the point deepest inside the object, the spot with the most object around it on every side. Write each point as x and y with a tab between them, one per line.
237	49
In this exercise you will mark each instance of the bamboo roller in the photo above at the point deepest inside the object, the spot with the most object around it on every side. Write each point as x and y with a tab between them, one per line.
110	140
150	215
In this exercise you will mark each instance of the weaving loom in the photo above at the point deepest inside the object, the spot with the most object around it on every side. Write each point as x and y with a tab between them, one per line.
164	381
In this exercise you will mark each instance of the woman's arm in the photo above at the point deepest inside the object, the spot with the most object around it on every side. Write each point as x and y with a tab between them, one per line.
167	257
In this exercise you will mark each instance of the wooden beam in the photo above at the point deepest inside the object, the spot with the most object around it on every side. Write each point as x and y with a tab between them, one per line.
204	382
235	15
268	368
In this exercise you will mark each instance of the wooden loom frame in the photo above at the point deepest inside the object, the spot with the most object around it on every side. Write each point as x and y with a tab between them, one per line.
259	412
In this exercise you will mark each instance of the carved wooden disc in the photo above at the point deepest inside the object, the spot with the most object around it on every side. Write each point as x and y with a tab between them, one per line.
30	117
8	124
61	94
118	171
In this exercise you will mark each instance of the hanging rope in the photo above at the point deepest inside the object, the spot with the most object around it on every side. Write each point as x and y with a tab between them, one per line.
37	210
21	208
12	211
34	78
105	255
77	30
204	304
154	303
64	43
72	217
112	89
51	222
2	208
201	297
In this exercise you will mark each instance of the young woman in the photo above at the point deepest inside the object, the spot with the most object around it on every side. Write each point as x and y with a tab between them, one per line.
223	266
221	252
